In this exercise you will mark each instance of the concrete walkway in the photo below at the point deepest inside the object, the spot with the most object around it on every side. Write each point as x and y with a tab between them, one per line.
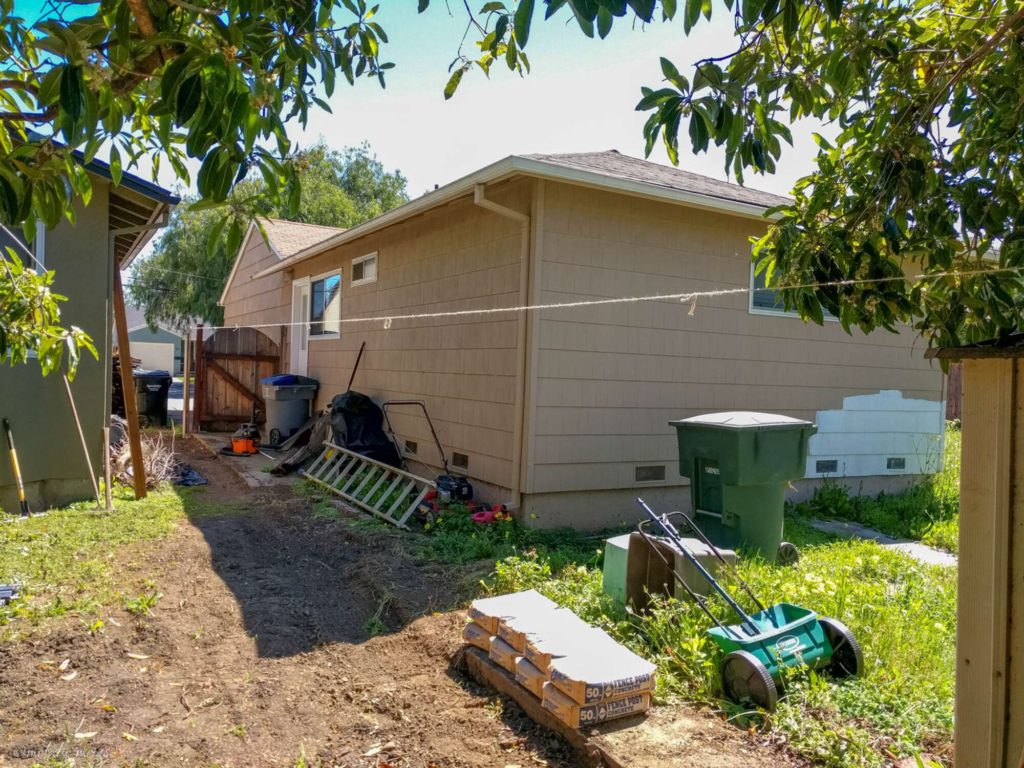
917	550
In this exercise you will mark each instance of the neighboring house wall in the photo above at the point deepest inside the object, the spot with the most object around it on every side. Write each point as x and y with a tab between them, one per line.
606	381
37	406
154	356
158	350
267	300
456	257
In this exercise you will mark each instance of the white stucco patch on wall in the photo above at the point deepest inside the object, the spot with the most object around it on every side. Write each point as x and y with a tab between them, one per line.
879	434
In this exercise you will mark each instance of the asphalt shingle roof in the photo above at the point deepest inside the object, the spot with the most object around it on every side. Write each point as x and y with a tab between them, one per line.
291	237
616	165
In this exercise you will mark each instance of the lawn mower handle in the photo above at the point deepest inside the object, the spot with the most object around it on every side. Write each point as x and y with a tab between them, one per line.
677	541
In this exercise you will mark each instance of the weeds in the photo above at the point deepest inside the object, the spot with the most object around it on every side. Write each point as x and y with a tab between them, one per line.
375	625
144	604
902	612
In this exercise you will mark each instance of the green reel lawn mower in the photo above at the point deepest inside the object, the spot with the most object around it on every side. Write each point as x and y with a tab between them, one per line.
758	649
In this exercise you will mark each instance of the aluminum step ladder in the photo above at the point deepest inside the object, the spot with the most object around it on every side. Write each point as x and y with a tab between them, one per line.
380	489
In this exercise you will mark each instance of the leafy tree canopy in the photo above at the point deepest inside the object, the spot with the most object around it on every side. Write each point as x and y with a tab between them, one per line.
184	277
925	96
925	176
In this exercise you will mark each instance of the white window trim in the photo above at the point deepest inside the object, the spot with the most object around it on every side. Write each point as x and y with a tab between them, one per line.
751	309
39	246
360	260
311	337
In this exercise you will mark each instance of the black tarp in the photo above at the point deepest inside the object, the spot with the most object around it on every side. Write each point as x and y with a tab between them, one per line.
358	424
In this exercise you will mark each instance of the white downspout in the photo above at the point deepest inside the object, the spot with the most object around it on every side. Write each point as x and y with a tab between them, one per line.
518	436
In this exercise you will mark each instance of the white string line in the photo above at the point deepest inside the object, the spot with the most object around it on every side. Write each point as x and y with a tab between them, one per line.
689	296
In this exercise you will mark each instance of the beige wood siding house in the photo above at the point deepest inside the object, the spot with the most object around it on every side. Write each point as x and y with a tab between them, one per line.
564	412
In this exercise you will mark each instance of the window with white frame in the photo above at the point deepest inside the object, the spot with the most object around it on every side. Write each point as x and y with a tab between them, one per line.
765	300
364	269
325	306
14	238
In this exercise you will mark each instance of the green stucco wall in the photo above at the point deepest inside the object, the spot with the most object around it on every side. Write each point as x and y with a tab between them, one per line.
49	449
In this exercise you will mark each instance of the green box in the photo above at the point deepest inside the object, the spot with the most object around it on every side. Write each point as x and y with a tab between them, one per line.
739	464
616	560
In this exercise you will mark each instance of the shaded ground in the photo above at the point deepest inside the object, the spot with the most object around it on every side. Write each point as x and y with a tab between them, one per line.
279	634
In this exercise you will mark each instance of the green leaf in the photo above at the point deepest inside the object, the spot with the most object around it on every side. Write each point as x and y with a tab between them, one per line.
115	166
453	82
423	5
521	22
72	92
189	96
834	8
604	22
693	8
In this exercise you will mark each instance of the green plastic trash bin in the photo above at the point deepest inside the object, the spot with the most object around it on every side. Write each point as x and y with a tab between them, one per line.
739	464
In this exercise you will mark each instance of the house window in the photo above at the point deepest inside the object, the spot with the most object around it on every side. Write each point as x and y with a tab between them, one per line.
896	462
767	300
325	306
364	269
826	466
460	460
411	447
14	238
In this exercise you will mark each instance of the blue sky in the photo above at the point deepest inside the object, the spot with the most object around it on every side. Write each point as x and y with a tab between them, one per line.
579	97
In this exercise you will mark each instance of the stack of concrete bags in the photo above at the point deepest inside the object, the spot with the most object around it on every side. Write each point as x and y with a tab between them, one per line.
577	671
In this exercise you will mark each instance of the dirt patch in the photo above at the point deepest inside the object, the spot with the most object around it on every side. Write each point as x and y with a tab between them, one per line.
278	635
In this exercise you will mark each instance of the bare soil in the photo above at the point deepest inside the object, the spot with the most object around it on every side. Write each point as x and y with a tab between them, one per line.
280	636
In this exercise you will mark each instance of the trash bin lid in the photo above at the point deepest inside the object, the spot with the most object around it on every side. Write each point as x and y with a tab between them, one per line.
288	380
743	420
144	374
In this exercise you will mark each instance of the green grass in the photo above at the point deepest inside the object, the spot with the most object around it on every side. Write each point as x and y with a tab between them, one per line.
903	613
64	560
928	512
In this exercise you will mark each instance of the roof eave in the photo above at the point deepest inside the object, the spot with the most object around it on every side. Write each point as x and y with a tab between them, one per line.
509	166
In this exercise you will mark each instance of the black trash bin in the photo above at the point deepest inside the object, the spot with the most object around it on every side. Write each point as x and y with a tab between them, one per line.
151	389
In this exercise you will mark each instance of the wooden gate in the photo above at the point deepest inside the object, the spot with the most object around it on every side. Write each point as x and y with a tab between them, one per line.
228	371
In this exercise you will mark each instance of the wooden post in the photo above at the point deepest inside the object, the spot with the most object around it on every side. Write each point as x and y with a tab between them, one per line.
186	371
131	407
197	404
282	344
107	474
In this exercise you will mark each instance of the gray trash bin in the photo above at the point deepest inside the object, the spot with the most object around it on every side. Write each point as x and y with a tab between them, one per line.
288	398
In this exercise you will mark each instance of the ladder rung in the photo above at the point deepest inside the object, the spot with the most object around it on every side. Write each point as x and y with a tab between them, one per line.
370	475
401	497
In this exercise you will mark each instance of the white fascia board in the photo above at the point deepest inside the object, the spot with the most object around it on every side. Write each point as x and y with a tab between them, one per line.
516	165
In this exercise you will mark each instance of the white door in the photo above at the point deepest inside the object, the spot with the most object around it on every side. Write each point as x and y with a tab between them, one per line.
300	327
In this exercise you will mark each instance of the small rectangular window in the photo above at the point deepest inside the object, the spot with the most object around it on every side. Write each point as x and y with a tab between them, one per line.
411	447
649	474
364	269
325	306
460	460
765	299
896	462
32	255
826	466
